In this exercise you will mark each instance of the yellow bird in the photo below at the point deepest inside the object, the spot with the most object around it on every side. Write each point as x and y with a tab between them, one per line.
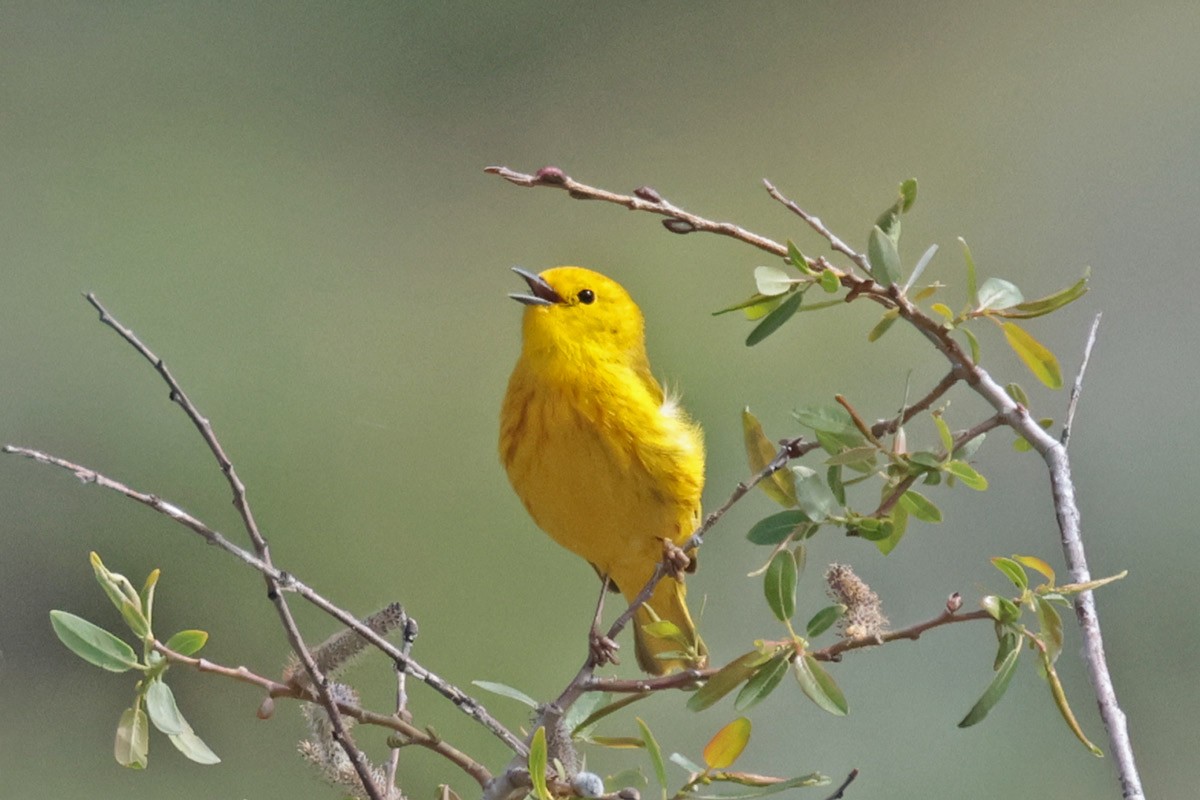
604	460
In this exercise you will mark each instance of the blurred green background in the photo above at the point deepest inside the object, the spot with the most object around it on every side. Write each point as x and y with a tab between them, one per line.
287	202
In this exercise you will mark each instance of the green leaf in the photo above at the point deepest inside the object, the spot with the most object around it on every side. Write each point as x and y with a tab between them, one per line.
592	711
886	321
727	744
832	419
944	310
969	447
797	258
1001	609
947	438
763	683
194	747
997	293
92	643
160	705
506	691
188	642
537	764
726	679
920	506
755	307
656	756
116	586
967	474
138	625
1041	362
833	477
773	321
1037	565
772	281
1012	570
760	452
884	257
1064	708
1018	395
899	525
813	495
779	586
818	686
1045	305
908	194
1050	627
665	629
972	285
994	691
756	791
132	747
922	263
147	597
861	458
973	343
829	281
823	619
683	761
777	527
1007	642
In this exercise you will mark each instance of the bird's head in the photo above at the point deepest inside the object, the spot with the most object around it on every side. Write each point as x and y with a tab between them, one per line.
579	313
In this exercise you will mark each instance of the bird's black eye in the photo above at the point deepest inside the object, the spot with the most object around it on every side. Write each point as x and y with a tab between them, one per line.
587	297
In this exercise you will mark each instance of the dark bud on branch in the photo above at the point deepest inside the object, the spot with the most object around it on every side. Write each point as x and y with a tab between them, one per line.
676	225
648	193
553	175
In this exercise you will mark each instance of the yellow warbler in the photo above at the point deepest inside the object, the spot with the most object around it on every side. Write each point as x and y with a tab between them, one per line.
603	459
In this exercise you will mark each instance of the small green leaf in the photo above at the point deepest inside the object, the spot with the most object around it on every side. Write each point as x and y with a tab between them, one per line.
92	643
160	705
656	756
928	292
194	747
944	310
755	790
899	525
967	474
1041	362
147	596
972	285
818	686
1050	627
1012	570
506	691
537	764
973	343
994	691
138	625
593	707
797	258
829	281
920	506
773	321
884	257
833	477
997	293
862	459
1018	395
760	452
779	586
1045	305
777	527
1001	609
772	281
132	747
823	619
1038	565
968	448
813	495
944	433
922	263
727	744
754	307
886	321
763	683
727	679
683	761
188	642
1007	642
832	419
1064	708
908	194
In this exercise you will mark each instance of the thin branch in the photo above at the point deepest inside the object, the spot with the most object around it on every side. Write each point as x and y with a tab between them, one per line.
948	617
275	689
289	583
840	792
1065	437
815	223
1053	451
410	636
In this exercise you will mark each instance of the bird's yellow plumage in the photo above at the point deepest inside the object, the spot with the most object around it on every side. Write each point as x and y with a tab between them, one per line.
604	461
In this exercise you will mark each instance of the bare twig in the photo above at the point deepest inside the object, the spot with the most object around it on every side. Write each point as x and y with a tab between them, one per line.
840	792
1053	451
1077	388
275	689
410	636
290	583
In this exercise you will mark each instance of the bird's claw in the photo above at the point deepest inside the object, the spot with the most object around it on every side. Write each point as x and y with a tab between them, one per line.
675	559
602	649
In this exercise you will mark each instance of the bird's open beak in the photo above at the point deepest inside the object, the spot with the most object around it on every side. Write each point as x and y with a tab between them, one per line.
541	293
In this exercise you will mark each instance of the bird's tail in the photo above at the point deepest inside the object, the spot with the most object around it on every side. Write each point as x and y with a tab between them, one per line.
652	647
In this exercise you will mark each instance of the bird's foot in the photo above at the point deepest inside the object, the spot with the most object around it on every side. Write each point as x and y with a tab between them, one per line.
676	560
601	649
